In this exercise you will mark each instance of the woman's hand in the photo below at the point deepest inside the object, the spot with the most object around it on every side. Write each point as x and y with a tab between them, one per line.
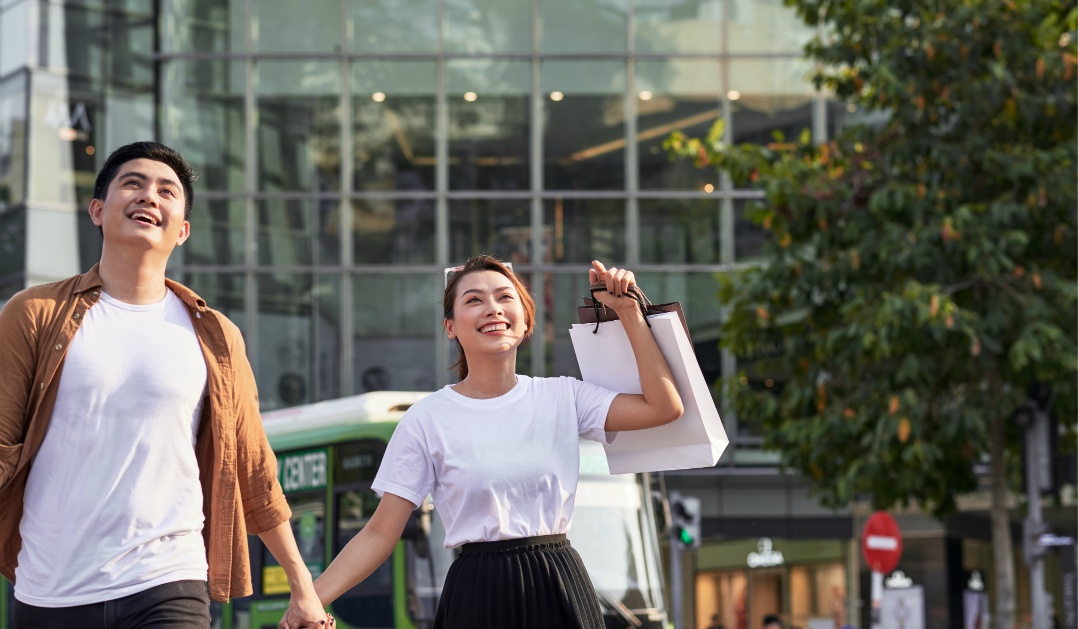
617	283
303	613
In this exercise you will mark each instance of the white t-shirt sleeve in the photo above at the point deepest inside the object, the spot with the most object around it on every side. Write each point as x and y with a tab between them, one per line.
592	406
407	469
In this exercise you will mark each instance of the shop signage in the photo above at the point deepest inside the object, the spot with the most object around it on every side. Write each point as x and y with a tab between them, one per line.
881	542
765	556
898	580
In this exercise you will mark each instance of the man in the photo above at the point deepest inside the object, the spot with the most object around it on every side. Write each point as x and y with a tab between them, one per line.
132	457
771	621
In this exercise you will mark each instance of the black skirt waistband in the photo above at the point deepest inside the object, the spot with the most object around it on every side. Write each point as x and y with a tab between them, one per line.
511	544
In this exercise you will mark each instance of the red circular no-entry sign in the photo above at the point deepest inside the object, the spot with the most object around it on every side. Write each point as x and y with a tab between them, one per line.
881	542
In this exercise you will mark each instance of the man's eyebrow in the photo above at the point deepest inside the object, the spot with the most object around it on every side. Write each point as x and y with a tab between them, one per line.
141	177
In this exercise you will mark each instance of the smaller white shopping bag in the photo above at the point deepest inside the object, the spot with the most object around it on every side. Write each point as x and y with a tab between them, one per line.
696	439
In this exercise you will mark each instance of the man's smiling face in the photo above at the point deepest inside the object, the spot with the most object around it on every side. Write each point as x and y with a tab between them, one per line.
143	207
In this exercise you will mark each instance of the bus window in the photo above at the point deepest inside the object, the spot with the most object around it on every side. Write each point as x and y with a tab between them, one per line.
369	604
309	529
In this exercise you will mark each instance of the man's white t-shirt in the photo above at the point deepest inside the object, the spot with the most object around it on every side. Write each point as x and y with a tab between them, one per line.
113	503
502	468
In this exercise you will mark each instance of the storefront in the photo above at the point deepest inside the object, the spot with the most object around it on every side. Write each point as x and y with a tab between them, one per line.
805	582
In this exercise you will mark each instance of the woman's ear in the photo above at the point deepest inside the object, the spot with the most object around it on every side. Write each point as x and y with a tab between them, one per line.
448	323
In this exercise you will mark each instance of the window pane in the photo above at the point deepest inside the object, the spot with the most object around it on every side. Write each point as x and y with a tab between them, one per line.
482	27
203	25
131	46
393	26
299	125
12	248
772	95
393	124
202	116
582	230
501	228
681	231
584	125
393	231
13	141
698	294
296	232
765	26
678	25
218	235
397	327
289	26
16	36
223	292
748	236
583	25
297	329
488	124
675	94
570	289
77	40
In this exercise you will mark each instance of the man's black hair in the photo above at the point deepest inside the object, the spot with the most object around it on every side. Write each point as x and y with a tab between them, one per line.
148	150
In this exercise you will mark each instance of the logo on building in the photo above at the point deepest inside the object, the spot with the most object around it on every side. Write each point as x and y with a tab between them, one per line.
766	556
69	121
898	580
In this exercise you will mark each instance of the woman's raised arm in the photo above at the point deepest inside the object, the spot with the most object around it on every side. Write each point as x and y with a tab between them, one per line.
659	402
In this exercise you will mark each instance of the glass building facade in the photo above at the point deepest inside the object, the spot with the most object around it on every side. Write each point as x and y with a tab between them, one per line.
350	150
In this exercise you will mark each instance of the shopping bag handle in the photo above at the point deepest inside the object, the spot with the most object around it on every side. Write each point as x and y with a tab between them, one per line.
633	291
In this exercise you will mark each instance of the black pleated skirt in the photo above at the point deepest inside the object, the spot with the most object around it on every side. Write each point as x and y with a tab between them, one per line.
529	583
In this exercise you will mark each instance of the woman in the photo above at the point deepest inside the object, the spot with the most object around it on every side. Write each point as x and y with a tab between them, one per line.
499	454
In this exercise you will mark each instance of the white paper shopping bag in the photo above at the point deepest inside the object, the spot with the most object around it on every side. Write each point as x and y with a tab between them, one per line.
696	439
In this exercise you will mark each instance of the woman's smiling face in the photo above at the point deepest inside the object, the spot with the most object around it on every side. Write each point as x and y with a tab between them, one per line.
488	315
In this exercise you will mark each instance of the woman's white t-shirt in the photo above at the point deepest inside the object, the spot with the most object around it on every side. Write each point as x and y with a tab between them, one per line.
502	468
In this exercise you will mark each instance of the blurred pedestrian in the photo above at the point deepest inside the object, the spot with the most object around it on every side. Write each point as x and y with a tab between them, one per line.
772	621
133	463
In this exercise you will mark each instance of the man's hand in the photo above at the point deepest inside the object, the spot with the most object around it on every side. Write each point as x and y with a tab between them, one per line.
305	612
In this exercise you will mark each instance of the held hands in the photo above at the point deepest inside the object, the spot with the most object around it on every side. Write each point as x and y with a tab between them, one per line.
305	612
617	283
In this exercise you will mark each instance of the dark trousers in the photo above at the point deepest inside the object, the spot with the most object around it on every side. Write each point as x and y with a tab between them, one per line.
176	605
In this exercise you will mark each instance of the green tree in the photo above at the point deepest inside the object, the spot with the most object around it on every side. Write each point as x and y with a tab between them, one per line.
918	275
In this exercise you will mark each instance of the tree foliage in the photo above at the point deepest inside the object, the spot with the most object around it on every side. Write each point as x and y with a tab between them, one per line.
920	274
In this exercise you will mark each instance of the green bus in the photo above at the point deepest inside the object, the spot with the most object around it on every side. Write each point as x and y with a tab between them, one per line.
327	457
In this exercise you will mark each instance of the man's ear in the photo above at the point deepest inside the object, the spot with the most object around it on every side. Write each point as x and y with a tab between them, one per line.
97	206
185	233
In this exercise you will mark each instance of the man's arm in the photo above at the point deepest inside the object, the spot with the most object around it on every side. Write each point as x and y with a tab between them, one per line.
304	609
17	369
263	500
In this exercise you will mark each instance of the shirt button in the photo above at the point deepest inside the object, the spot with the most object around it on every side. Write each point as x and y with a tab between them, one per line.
76	316
94	294
59	346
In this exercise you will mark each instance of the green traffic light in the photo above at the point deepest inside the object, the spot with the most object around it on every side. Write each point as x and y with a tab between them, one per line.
686	538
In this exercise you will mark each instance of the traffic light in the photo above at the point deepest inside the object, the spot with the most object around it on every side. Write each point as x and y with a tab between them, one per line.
685	518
